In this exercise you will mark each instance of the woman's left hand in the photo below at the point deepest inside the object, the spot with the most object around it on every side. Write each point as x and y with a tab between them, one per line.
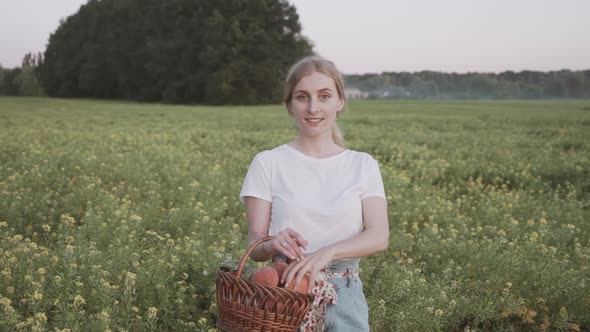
311	264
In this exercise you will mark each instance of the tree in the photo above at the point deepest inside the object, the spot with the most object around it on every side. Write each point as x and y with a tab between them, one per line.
7	81
481	85
26	81
420	88
179	51
574	82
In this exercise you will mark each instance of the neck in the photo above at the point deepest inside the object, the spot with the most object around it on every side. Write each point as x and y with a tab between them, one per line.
317	147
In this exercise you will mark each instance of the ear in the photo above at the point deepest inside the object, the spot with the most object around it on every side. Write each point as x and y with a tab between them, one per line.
340	105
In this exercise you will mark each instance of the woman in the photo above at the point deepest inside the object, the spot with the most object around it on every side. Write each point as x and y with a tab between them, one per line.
324	204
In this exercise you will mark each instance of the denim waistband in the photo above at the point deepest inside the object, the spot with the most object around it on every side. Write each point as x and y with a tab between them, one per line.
343	264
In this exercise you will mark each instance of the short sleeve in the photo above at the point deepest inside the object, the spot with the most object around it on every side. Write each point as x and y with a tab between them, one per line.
257	181
374	182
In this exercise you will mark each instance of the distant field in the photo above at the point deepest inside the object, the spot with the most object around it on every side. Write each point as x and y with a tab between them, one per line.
115	215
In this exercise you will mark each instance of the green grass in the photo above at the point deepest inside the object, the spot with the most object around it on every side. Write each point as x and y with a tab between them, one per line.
115	215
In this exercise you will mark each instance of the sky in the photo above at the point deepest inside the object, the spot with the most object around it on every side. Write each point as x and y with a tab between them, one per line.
374	36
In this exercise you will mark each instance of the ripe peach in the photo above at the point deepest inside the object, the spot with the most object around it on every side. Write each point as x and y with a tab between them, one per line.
303	285
266	275
280	267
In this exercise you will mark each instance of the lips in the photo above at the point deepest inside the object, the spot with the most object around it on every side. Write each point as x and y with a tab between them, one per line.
314	120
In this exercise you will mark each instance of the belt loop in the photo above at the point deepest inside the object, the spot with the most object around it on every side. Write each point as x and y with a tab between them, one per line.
348	277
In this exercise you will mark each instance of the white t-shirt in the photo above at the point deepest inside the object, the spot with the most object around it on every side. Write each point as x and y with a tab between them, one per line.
319	198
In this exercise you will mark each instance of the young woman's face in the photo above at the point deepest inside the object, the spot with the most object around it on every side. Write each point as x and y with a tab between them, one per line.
315	104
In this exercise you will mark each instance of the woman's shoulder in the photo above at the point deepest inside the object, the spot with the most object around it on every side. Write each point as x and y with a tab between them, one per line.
361	156
271	154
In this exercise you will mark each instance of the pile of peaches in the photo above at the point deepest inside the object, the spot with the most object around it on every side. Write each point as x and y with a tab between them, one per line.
271	276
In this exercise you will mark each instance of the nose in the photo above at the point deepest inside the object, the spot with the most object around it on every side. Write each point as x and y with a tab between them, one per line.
314	106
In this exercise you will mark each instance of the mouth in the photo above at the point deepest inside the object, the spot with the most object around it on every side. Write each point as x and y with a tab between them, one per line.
314	120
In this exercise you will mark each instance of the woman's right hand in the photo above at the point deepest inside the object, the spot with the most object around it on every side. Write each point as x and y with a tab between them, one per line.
289	243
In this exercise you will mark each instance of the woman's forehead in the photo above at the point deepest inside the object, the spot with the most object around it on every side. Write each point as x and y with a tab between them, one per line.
315	80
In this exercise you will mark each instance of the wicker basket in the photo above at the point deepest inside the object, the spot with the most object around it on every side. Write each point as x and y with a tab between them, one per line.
247	306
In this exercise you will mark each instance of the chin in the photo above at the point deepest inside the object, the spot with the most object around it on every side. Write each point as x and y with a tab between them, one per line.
313	133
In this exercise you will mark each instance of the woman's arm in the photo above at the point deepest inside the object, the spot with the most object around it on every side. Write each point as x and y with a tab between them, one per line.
373	239
258	214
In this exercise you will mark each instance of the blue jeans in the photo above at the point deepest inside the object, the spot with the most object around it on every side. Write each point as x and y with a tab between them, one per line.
351	313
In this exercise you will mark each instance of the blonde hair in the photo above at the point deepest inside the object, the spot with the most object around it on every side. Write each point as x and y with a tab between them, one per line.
318	64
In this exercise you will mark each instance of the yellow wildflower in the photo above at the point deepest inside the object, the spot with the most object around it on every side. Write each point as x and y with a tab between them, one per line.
79	300
41	317
5	301
38	296
152	313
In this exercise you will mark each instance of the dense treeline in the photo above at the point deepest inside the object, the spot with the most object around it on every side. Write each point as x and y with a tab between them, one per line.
23	81
178	51
508	84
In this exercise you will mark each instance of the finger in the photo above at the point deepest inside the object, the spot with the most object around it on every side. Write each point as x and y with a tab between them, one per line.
290	272
301	241
286	272
295	248
280	245
302	271
307	271
296	242
285	246
298	238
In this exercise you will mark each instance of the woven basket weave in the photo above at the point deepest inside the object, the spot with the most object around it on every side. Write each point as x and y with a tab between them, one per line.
247	306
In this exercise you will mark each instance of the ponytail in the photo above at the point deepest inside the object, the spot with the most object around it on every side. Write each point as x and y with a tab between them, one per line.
337	136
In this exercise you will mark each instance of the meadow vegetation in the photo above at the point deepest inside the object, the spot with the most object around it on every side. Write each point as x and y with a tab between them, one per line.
116	215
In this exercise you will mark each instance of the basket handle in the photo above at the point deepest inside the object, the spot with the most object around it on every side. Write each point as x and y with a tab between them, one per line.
248	252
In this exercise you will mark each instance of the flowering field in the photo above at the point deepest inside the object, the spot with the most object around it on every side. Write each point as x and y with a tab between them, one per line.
114	216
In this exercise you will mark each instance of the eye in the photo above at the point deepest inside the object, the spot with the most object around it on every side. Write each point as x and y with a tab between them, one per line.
301	97
325	96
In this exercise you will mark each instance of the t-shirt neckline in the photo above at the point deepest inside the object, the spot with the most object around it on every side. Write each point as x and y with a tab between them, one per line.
303	155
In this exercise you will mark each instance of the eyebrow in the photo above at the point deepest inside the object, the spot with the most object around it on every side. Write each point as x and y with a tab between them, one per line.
320	90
